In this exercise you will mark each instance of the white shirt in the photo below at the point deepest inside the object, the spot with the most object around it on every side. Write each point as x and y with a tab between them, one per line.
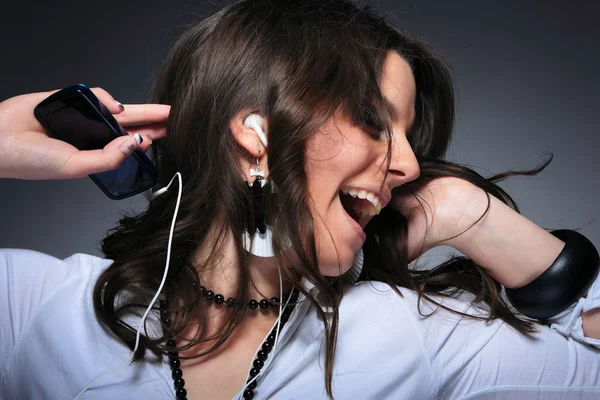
52	346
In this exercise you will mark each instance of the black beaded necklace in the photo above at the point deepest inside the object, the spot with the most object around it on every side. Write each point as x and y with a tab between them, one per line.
231	302
261	356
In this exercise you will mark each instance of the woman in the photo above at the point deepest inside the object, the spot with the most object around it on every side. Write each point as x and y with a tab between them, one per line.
356	117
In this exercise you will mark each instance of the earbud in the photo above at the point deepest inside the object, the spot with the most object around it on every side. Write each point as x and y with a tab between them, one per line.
254	121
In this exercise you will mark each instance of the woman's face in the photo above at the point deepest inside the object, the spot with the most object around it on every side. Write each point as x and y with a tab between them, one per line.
346	166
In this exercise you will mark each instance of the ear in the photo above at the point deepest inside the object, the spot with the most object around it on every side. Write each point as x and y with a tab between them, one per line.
246	137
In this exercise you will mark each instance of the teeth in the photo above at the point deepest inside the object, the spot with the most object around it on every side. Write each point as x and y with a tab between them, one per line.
377	203
364	194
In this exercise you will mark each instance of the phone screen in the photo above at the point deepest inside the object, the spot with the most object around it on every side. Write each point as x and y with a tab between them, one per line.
79	123
74	123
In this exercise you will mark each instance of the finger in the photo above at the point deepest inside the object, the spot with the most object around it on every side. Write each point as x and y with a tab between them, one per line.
150	132
109	158
105	98
143	113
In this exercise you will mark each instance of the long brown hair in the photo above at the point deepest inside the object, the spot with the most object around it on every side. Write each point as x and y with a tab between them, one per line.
296	63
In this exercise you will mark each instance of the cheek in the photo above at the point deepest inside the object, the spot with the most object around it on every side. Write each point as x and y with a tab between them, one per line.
325	145
332	159
324	173
334	241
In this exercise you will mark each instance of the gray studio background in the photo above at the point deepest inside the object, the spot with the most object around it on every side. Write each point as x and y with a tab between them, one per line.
526	73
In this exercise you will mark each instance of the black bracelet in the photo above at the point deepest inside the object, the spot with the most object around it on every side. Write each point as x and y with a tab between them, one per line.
563	283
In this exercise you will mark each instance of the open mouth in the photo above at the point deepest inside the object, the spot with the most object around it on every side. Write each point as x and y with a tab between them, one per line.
348	204
360	204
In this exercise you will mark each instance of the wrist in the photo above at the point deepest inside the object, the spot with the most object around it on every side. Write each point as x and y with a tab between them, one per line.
463	203
513	249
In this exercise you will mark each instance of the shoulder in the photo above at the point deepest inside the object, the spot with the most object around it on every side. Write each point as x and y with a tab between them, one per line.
376	327
406	314
17	257
380	295
34	275
24	258
30	278
407	331
382	320
379	310
445	327
53	316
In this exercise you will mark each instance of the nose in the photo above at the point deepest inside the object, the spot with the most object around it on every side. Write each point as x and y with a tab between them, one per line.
404	166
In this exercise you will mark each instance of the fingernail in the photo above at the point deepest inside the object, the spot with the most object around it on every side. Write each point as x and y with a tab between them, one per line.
139	138
130	145
121	106
150	138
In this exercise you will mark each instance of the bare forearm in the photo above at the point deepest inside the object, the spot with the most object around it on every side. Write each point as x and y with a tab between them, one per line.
513	249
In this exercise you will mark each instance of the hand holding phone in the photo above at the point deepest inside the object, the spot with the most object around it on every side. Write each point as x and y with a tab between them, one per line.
29	151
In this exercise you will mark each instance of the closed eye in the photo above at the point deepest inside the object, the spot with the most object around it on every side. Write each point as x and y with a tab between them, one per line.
370	121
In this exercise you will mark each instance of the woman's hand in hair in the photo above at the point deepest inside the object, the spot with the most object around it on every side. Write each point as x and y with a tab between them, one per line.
434	212
27	152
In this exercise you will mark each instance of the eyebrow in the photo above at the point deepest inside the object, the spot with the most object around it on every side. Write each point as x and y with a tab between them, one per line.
393	111
390	108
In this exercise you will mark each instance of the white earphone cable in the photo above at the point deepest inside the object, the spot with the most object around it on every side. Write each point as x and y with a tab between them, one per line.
263	370
137	337
252	121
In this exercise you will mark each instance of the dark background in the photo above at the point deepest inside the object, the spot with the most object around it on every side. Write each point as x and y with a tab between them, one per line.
526	73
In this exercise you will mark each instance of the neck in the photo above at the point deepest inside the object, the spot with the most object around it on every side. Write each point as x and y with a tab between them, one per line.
218	269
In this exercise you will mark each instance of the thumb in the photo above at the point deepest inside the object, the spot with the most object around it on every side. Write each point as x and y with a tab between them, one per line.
109	158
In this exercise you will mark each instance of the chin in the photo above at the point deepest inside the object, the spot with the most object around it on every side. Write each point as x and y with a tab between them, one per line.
330	265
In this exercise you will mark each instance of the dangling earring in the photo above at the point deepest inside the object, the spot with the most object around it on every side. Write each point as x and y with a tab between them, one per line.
258	243
258	200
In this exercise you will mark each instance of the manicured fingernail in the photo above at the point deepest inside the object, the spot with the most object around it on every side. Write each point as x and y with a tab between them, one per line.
130	145
139	138
121	106
150	138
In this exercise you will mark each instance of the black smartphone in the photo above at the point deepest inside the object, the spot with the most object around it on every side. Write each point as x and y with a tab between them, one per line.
76	116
